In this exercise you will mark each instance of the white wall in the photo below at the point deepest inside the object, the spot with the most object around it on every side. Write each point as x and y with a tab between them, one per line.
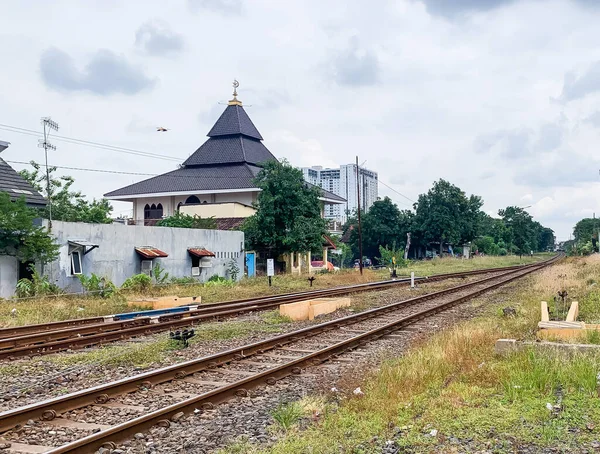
9	271
116	259
170	203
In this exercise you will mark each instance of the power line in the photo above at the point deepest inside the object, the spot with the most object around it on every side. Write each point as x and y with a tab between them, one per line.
89	143
397	192
120	172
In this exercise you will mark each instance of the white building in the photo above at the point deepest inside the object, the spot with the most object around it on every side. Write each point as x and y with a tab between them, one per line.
342	182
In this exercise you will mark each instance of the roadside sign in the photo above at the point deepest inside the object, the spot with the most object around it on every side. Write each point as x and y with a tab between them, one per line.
270	267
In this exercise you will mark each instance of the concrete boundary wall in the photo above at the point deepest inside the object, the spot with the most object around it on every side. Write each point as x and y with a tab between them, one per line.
116	259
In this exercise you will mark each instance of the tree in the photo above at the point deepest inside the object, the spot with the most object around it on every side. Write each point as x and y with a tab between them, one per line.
288	216
446	215
18	234
521	227
383	225
67	205
185	221
587	230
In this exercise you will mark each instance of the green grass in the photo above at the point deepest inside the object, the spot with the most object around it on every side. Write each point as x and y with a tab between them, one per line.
454	384
287	415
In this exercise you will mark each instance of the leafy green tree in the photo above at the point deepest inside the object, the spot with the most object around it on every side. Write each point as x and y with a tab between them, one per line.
185	221
486	245
587	230
288	216
18	234
446	215
383	225
67	205
521	227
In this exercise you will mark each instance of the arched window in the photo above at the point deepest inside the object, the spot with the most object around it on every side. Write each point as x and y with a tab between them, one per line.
153	211
192	199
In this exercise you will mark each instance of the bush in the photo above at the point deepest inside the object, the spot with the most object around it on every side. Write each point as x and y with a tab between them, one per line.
100	286
138	283
38	285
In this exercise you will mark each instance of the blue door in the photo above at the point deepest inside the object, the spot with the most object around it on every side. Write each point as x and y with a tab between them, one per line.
251	263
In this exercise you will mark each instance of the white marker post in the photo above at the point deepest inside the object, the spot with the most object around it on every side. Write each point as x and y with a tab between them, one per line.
412	279
270	269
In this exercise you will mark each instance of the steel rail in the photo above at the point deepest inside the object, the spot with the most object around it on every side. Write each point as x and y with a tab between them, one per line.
17	331
107	438
101	393
47	342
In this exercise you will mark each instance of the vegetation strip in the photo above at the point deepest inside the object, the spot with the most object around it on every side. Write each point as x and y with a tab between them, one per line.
85	397
106	438
76	337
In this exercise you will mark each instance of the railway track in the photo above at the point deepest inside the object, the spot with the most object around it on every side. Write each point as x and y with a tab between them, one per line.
33	340
161	397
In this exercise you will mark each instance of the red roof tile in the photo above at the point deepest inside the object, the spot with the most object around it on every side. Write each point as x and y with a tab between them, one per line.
149	252
201	252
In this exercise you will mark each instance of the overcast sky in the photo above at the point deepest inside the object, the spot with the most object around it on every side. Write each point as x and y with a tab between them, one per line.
500	97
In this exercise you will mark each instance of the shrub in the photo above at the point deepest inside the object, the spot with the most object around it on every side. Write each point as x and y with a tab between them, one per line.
138	283
184	280
100	286
38	285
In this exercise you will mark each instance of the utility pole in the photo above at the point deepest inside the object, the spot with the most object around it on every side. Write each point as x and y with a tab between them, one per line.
360	249
48	124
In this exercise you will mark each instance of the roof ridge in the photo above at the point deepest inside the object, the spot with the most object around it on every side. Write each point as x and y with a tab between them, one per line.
243	149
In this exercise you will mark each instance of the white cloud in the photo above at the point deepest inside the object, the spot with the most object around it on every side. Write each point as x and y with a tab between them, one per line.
420	84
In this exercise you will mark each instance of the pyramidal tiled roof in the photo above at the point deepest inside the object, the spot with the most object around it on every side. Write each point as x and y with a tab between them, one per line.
229	159
234	120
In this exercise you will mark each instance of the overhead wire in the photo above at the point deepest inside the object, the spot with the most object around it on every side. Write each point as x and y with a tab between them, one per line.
131	151
89	143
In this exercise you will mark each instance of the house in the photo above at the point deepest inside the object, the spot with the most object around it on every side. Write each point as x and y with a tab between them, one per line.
118	251
11	270
216	180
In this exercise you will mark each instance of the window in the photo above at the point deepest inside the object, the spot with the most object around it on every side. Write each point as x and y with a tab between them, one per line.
195	261
153	211
192	199
75	263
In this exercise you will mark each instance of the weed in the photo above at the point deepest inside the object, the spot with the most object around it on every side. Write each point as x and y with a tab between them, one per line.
96	285
138	283
286	415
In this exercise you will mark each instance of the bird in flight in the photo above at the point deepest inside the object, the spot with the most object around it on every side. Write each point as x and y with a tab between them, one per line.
161	129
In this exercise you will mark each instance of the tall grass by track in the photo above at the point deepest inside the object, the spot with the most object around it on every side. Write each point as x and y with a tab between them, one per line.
452	393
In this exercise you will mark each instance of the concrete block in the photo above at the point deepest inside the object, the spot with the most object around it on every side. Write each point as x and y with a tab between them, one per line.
309	309
545	314
505	346
296	311
320	307
573	312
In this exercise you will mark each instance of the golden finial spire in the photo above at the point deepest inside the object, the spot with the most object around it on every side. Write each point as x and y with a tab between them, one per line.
235	101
